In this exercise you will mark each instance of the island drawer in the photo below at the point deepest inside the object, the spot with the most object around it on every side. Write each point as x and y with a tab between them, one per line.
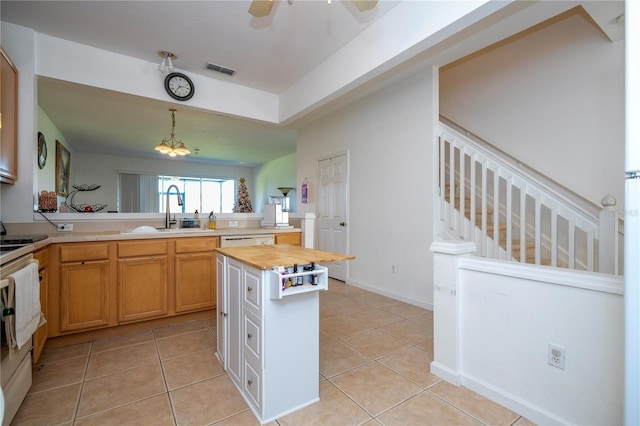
252	299
252	383
253	336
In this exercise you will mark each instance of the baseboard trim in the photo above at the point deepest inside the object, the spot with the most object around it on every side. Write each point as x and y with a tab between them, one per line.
88	336
525	408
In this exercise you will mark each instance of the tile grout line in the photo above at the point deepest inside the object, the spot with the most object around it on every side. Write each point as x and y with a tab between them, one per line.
84	377
164	379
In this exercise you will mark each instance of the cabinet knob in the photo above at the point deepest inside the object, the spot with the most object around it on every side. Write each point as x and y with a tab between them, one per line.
249	382
249	288
249	335
343	224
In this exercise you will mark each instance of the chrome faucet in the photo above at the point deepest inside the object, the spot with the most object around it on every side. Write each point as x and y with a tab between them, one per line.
167	221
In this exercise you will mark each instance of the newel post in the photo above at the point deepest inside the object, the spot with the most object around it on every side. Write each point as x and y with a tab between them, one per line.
608	236
446	308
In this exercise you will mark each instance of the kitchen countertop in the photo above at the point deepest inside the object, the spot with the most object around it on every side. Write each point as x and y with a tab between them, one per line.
76	237
266	257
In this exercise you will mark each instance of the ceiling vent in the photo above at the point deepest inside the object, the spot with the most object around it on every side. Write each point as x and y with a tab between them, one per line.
220	68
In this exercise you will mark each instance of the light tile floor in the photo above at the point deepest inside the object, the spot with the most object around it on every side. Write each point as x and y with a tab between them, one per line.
374	370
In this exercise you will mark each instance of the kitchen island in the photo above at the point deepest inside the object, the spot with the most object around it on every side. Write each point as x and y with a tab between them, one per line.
268	324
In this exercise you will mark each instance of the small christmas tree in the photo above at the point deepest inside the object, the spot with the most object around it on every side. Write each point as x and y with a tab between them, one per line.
243	203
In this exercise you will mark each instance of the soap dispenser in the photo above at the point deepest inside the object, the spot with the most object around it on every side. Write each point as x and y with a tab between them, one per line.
211	224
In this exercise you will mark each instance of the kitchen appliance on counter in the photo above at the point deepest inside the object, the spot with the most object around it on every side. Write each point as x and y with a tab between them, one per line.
276	213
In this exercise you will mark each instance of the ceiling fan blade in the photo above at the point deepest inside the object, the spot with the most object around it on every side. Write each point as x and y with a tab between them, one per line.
260	8
364	5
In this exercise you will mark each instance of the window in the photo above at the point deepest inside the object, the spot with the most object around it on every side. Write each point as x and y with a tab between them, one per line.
204	195
140	193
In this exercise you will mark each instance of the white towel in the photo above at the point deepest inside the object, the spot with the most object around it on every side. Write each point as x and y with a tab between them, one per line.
27	308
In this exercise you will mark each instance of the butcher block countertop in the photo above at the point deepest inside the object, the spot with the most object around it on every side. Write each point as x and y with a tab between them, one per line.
268	256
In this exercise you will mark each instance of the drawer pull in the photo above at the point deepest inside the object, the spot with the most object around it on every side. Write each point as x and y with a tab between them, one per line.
249	335
249	382
249	288
224	314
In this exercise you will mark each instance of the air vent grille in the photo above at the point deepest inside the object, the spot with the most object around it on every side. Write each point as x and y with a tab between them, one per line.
220	68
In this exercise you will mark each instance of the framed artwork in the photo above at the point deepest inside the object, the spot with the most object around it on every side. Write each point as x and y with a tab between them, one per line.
63	164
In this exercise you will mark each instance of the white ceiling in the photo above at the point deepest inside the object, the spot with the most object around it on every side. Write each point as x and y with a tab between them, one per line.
271	54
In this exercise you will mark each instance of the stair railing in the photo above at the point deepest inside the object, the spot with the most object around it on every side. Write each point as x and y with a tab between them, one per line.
512	212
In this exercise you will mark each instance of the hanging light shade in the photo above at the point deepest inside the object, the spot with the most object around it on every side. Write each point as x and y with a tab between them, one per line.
171	146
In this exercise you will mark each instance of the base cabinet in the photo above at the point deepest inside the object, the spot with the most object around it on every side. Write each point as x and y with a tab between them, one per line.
143	287
195	264
84	295
270	346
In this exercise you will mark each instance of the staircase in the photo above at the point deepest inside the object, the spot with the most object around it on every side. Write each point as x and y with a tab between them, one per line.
511	212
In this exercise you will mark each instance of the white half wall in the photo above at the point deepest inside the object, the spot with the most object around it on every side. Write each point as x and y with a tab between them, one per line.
498	323
389	137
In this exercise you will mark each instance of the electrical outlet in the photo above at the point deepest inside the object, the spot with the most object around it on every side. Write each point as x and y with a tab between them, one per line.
556	356
233	224
65	227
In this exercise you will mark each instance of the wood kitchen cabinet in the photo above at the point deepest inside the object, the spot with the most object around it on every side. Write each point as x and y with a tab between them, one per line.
87	290
9	119
40	336
143	286
195	273
294	238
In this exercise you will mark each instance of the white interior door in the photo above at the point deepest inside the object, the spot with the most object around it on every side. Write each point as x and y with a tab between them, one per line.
332	216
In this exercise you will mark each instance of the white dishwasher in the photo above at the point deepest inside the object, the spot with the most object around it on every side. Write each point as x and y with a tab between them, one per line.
246	240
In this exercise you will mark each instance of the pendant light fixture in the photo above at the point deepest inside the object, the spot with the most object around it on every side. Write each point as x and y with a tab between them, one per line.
166	65
171	146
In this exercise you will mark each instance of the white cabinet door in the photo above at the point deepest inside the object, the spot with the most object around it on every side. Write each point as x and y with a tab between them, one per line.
234	319
222	324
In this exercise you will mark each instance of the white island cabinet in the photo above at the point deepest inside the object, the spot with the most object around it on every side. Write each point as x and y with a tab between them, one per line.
268	326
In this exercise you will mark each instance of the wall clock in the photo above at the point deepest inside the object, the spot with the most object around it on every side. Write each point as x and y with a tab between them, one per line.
42	151
179	86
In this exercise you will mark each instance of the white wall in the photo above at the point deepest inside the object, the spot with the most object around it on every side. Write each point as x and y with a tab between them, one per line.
17	201
271	176
553	99
389	138
46	177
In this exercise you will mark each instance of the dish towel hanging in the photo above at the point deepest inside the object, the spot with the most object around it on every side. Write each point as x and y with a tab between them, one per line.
28	312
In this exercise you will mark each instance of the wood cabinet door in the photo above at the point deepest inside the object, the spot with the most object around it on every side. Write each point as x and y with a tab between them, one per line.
142	288
195	281
84	295
9	128
40	336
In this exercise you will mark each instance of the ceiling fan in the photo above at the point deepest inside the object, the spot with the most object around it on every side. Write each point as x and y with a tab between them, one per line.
260	8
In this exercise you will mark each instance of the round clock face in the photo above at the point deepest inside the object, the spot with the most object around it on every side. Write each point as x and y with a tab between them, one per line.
179	86
42	151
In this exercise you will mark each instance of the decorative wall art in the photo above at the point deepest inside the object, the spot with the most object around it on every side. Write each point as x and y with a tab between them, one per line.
63	165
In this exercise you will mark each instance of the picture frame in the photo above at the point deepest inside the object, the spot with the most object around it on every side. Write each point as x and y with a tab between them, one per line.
63	165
